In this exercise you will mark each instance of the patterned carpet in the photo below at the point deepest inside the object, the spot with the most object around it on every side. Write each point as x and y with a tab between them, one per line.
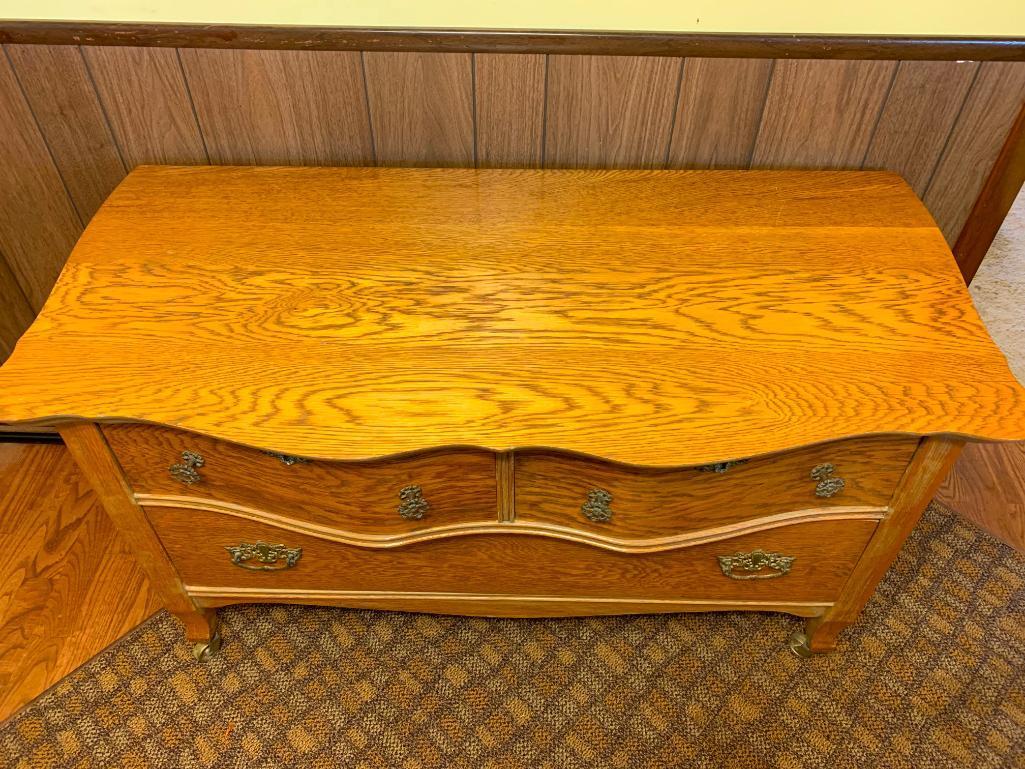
933	676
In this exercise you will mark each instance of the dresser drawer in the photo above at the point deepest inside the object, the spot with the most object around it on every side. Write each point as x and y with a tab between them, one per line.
636	503
362	497
823	553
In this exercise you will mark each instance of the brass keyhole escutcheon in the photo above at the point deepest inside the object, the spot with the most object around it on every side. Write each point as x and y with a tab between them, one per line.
412	505
187	470
828	485
598	507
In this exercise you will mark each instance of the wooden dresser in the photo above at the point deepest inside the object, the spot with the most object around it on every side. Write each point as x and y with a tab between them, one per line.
515	393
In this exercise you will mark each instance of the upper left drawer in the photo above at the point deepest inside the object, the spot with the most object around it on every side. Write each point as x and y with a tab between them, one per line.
378	497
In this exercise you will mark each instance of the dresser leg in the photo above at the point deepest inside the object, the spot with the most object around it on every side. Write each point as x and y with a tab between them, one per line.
926	471
819	635
202	629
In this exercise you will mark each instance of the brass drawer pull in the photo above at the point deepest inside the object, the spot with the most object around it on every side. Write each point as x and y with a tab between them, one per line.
186	471
287	459
722	467
827	485
412	505
267	557
752	565
597	508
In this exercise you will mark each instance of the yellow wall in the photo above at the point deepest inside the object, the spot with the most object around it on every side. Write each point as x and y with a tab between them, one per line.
912	17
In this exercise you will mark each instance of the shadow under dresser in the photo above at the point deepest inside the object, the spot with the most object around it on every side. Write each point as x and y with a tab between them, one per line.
513	393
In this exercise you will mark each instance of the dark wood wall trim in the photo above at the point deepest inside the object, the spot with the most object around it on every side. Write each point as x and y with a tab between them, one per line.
798	46
1002	186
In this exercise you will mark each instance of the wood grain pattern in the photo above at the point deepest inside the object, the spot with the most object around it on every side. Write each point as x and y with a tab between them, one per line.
281	107
552	487
987	486
98	466
610	111
595	42
510	106
1004	182
69	587
821	114
824	551
719	112
489	604
920	111
17	314
421	108
59	90
459	486
985	121
38	224
147	101
926	472
512	309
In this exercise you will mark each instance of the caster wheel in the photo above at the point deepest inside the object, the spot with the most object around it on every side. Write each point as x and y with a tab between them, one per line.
799	645
205	651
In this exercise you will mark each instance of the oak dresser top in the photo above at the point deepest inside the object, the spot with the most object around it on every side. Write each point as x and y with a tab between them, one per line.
648	317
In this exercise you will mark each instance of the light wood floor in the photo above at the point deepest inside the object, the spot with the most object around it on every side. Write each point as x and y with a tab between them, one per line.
69	587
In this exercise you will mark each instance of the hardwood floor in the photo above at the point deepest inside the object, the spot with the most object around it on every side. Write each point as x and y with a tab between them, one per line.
987	486
68	585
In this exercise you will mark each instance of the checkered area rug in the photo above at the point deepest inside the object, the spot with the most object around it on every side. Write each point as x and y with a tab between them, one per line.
932	676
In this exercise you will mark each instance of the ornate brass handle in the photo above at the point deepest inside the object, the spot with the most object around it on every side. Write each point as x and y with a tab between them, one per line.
267	557
412	505
722	467
827	485
286	459
598	507
753	565
186	471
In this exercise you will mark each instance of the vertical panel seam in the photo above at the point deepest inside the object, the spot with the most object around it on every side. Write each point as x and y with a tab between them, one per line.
473	104
42	137
761	112
366	102
192	103
103	108
676	110
17	285
544	115
879	115
950	134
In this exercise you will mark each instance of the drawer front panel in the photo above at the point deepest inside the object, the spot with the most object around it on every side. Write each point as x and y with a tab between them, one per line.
823	552
643	503
457	486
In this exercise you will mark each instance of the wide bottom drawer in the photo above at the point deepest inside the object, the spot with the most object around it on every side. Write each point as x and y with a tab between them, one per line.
209	551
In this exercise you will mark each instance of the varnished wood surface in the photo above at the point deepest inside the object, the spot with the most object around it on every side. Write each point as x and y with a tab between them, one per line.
69	586
824	551
987	486
651	318
925	473
552	487
603	42
459	486
490	604
994	201
131	105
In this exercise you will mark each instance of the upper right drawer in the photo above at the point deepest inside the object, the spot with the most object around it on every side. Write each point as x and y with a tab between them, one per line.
642	503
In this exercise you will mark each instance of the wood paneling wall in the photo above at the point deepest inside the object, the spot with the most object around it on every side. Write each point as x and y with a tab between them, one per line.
74	120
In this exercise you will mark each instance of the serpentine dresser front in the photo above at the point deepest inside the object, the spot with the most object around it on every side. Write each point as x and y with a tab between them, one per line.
513	393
